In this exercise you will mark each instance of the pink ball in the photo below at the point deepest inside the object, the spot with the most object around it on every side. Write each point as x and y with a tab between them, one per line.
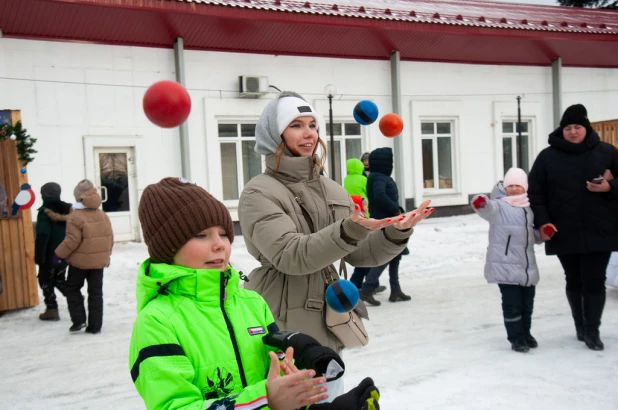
167	104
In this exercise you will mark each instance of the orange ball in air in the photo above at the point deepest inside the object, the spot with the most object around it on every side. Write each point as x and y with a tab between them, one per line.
391	125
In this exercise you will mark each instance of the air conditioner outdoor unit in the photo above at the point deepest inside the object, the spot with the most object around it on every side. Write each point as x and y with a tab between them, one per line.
251	86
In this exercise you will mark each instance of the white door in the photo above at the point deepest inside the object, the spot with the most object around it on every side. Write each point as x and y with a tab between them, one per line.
115	180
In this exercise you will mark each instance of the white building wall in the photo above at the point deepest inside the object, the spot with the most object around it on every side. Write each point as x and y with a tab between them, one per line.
72	93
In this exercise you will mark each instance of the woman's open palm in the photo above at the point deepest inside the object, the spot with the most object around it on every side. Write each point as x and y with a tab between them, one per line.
370	223
410	219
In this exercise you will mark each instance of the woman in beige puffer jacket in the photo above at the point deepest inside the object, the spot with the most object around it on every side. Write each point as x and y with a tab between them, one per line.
297	223
87	248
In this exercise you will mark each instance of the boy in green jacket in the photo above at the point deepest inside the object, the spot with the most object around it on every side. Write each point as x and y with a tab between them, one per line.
197	341
356	181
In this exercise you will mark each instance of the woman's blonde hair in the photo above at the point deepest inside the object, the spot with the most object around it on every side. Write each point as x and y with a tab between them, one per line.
318	161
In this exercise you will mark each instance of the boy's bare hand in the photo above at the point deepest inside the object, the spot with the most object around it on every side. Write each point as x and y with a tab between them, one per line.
292	391
287	364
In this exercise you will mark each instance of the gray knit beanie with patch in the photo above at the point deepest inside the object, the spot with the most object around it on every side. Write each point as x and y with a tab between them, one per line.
276	116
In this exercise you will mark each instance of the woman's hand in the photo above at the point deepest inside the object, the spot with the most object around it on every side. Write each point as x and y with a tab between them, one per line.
410	219
370	223
547	231
293	391
602	187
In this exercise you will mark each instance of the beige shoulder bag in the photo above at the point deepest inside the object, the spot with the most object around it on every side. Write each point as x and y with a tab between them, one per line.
348	327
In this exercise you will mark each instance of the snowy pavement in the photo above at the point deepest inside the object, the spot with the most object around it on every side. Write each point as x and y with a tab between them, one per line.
446	349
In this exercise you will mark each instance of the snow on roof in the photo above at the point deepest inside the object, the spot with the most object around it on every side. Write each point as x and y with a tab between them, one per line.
475	13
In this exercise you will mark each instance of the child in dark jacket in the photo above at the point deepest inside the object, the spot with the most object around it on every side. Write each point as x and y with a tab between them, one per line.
201	341
510	255
50	231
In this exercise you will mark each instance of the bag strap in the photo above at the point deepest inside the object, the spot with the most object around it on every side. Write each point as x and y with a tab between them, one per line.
342	266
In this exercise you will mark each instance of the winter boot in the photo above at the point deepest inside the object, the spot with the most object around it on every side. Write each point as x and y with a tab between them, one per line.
593	310
399	296
520	346
577	310
50	314
531	342
379	289
77	327
92	331
368	298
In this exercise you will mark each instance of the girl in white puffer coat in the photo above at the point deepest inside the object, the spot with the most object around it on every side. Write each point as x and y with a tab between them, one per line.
510	261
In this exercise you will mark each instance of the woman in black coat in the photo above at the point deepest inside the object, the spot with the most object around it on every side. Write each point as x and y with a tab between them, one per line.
383	198
574	197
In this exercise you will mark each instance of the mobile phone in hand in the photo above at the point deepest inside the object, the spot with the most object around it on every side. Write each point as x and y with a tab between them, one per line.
597	180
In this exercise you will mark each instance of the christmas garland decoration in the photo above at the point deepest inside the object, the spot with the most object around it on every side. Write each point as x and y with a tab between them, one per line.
24	141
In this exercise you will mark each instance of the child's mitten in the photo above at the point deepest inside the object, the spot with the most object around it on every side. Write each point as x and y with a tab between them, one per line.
479	202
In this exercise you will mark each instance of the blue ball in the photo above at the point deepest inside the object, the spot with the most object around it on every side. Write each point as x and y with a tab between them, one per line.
365	112
342	296
23	170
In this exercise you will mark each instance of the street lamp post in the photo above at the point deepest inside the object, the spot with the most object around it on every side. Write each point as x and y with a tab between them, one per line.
330	91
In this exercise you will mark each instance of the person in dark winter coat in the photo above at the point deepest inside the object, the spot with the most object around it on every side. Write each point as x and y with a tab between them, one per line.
50	231
356	184
383	197
510	255
574	197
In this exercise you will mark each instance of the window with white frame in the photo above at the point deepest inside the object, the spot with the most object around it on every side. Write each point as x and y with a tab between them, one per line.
438	155
239	161
348	144
515	153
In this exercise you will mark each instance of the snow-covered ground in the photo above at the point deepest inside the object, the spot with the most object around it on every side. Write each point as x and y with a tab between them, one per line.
446	349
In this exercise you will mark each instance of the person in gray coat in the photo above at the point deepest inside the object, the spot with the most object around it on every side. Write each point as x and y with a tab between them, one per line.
510	258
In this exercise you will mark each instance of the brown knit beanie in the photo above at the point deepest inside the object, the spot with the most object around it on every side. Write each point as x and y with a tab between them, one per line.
81	188
173	211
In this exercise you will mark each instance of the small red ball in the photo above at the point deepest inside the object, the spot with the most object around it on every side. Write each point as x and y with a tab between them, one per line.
391	125
167	104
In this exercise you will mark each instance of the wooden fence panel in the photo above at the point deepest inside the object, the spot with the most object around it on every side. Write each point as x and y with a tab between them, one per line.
17	266
607	130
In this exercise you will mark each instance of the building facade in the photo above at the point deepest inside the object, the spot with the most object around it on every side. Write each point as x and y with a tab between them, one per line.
82	100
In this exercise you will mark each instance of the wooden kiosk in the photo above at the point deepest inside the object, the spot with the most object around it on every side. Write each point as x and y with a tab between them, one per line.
607	130
17	270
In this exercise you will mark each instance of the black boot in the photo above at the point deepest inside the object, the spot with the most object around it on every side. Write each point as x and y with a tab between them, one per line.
593	310
399	296
531	342
577	310
368	298
520	346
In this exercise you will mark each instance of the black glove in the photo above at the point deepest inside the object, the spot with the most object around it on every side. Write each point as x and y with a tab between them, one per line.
308	353
365	396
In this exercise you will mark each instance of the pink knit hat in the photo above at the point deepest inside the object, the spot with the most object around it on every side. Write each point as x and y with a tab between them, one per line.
516	176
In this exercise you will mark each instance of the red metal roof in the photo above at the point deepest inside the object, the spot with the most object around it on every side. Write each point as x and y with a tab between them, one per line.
472	13
423	30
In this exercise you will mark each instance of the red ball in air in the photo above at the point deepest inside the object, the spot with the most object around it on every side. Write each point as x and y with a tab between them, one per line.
167	104
391	125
